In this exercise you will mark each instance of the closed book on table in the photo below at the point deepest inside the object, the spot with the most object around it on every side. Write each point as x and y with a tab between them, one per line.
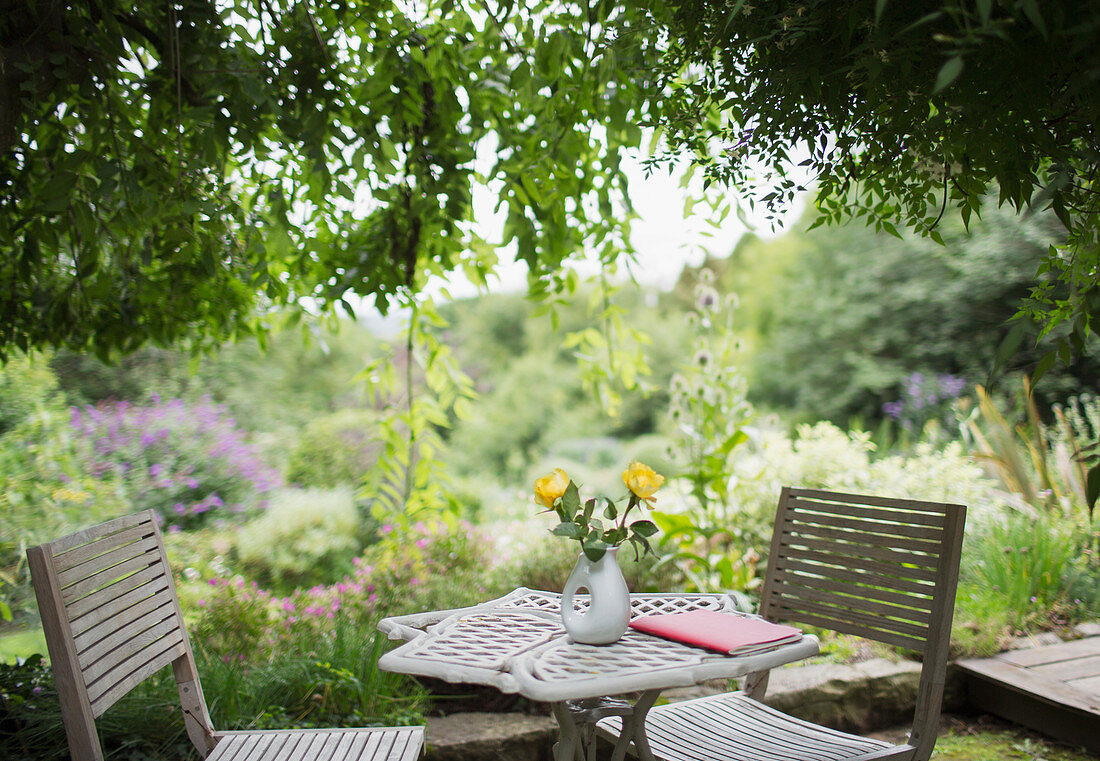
729	633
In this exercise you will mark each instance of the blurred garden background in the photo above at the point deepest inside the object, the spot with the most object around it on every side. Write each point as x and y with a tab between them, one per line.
298	510
229	232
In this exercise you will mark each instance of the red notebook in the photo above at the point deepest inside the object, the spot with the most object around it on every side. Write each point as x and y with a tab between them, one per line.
725	632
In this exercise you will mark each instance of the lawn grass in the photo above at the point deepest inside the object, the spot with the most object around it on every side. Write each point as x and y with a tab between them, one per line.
1003	745
21	644
982	737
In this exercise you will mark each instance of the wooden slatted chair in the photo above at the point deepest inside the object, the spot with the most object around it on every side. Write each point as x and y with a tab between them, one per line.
885	569
112	619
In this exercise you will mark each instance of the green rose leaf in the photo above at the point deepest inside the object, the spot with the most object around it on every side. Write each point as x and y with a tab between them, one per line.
644	528
641	541
594	549
589	508
610	511
571	500
615	536
570	530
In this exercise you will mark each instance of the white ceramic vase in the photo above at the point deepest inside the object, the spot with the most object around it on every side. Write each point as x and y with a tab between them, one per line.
608	612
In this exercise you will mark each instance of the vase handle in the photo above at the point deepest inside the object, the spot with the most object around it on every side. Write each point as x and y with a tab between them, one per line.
579	578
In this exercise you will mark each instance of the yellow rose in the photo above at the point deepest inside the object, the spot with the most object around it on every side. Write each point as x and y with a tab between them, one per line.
642	480
549	488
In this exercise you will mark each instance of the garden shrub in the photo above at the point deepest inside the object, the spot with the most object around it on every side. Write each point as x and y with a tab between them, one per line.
823	456
186	461
303	537
337	683
337	448
44	494
310	656
424	567
333	682
26	385
432	566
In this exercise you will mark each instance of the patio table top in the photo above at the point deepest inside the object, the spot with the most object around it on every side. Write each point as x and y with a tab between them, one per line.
517	644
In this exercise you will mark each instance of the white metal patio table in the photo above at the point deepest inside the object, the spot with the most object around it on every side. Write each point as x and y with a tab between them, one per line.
517	644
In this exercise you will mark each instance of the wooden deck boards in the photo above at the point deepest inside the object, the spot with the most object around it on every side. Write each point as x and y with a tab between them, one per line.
1054	689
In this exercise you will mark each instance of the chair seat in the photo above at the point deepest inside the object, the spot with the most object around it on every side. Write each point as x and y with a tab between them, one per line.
389	744
735	727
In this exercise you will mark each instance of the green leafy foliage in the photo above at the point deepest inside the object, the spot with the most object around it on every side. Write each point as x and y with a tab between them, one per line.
45	493
409	481
304	537
853	314
63	471
338	448
540	564
167	170
26	386
898	113
509	346
1043	468
709	410
1032	564
301	370
31	729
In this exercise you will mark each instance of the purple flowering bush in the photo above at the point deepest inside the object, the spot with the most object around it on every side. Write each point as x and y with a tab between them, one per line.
188	462
925	398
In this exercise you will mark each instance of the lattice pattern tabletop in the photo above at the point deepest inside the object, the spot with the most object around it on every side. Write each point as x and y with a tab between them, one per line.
517	644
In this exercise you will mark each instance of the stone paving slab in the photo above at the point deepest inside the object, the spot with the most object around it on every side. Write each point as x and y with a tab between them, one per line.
489	737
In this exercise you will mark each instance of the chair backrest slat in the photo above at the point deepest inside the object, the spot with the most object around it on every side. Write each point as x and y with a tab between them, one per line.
111	554
890	503
116	640
872	575
903	606
111	620
876	512
879	527
874	567
84	552
146	621
90	610
101	582
919	567
848	536
99	531
864	570
850	620
120	675
105	622
841	623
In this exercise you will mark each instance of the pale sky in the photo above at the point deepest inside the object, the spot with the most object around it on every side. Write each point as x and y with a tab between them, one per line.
663	239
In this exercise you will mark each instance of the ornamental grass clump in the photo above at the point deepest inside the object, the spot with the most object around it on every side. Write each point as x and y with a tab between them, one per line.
559	494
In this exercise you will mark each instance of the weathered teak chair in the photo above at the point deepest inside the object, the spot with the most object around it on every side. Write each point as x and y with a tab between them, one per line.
885	569
112	619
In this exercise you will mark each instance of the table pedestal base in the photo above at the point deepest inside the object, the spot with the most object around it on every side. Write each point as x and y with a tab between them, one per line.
577	727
